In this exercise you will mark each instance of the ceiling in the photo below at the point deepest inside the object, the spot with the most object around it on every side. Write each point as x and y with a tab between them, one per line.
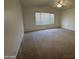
50	3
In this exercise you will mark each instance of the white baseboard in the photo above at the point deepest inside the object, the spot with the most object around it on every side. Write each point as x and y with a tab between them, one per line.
9	57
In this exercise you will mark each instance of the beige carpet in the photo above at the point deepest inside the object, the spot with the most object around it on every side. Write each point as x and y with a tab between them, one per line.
48	44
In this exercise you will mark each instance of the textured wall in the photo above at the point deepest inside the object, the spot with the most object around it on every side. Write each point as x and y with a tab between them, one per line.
13	27
29	17
68	19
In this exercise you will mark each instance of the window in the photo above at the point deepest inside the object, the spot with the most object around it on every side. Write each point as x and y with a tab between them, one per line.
44	18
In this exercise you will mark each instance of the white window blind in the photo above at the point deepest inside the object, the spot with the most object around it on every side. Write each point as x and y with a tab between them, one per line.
44	18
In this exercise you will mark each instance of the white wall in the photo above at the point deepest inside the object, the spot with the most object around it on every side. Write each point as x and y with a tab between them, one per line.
68	19
29	17
13	27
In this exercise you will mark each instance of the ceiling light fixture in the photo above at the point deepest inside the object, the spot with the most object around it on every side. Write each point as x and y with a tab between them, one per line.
59	5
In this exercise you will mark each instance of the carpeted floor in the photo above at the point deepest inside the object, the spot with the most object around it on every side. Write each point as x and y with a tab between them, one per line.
48	44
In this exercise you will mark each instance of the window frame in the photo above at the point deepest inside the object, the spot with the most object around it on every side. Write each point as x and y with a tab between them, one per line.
40	18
